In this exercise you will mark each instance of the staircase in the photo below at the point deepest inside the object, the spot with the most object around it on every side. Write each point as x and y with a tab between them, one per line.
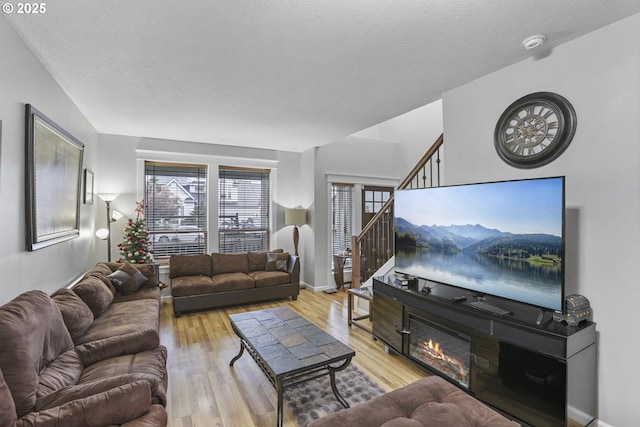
373	247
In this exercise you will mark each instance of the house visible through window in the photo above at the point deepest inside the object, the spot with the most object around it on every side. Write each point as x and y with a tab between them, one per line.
243	210
341	218
176	208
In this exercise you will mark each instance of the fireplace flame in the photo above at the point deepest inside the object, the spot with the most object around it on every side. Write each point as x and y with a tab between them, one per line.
435	350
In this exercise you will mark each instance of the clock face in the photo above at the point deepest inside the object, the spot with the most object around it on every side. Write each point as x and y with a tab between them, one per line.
535	130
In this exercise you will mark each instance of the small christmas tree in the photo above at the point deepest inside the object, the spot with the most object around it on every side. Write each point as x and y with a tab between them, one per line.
134	247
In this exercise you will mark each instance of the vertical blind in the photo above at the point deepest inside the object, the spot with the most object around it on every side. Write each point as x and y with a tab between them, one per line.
341	217
243	209
176	208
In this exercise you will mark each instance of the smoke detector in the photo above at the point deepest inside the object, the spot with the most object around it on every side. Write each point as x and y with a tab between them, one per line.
533	41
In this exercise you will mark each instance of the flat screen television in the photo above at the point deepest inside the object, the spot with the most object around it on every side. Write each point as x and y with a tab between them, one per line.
504	239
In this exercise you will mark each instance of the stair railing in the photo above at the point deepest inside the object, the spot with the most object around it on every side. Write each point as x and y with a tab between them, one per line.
373	247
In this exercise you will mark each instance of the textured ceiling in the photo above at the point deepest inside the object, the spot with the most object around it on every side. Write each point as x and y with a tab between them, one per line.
287	75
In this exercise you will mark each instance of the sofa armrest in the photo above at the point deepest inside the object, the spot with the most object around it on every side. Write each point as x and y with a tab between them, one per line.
294	269
131	343
112	407
156	417
85	390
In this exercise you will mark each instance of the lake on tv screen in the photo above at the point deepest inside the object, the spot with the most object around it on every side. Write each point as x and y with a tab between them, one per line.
536	283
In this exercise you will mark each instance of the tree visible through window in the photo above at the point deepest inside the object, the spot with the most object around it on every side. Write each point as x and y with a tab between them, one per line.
176	208
243	210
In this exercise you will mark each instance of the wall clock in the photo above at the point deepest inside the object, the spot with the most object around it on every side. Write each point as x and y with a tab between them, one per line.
535	130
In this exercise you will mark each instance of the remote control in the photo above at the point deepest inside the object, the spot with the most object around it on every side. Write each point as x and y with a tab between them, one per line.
459	298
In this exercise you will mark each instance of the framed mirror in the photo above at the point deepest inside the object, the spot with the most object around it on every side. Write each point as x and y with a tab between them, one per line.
53	182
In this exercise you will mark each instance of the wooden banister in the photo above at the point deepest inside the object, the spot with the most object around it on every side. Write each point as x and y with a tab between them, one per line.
374	245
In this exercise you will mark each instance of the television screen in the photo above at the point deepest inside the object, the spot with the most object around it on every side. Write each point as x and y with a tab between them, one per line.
504	239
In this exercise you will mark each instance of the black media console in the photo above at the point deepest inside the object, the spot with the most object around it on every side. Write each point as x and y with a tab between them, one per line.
533	369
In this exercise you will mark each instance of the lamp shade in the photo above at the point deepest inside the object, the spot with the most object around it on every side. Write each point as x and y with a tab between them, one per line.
108	197
115	215
295	216
102	234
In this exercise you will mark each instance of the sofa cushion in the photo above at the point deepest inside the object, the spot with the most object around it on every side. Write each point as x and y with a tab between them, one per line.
189	265
30	343
124	318
8	415
118	345
229	263
257	261
192	285
62	372
431	401
143	293
157	416
149	365
109	408
277	261
95	294
270	278
127	279
101	271
76	314
232	282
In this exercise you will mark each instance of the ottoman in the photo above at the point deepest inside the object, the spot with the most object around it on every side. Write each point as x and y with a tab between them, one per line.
431	401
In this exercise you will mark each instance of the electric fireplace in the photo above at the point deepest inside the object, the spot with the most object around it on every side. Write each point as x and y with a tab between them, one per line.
440	348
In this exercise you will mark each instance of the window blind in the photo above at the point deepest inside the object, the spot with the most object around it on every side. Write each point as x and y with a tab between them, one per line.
243	210
341	217
176	208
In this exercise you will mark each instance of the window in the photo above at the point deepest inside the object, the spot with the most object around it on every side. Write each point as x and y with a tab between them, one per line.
176	208
243	210
374	199
341	217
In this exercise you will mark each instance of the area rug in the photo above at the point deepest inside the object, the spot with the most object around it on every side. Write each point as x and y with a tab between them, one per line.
315	399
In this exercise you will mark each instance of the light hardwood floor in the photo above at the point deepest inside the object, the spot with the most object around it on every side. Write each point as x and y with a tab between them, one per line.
205	391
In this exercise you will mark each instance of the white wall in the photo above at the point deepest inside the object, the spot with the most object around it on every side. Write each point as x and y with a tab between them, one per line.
122	171
349	160
600	75
24	80
380	155
414	132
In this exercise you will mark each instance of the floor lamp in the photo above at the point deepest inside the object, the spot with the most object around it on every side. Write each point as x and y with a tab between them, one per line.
106	233
295	217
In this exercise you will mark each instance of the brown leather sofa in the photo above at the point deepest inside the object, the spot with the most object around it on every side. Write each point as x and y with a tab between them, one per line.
209	281
431	401
86	356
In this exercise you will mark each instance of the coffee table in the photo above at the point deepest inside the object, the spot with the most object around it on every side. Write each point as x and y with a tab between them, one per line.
289	349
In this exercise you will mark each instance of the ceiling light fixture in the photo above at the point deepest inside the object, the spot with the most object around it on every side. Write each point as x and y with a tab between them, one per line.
533	41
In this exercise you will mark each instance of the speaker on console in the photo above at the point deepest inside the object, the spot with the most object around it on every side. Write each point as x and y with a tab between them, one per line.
577	309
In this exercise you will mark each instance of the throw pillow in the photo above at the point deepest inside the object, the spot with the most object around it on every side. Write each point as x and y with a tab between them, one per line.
127	279
277	261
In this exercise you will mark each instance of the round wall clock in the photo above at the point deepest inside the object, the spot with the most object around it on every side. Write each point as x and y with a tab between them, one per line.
535	130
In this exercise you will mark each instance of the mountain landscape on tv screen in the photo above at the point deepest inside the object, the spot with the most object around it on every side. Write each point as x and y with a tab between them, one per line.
476	239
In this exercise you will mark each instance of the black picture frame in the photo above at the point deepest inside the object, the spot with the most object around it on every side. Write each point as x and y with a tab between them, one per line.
88	187
53	182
